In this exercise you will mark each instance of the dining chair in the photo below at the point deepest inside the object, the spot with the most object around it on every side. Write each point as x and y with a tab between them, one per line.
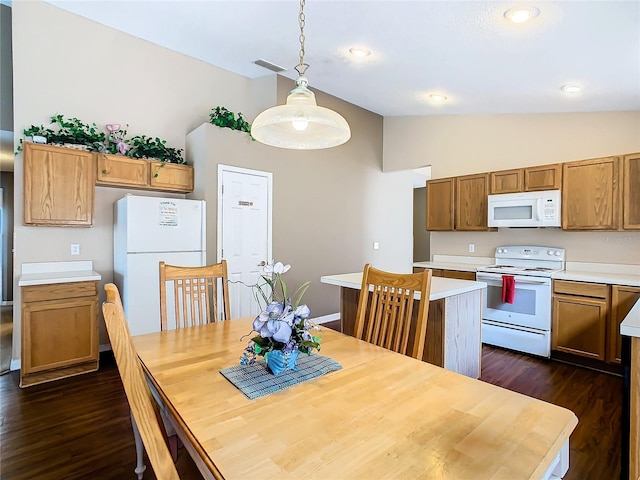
195	293
144	414
385	317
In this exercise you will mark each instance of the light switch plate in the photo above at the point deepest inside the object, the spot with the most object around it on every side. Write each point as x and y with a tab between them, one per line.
75	249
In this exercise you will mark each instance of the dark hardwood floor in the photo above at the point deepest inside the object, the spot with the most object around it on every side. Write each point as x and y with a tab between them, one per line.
79	428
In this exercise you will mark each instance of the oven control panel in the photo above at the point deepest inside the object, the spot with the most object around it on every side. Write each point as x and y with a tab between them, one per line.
531	253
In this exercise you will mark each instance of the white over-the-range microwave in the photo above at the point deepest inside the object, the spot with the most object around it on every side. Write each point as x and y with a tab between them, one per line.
526	209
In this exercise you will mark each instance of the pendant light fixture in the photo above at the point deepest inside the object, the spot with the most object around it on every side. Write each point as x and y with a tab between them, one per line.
301	124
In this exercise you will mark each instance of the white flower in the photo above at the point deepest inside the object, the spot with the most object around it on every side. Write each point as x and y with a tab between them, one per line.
278	268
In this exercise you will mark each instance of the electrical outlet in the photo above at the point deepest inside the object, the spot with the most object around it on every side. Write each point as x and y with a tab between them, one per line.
75	249
472	247
376	245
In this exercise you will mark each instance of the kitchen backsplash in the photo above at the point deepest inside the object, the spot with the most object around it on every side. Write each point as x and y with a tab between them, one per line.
598	247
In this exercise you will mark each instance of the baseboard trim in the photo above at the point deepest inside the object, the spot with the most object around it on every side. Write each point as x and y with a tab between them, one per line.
327	318
104	347
15	364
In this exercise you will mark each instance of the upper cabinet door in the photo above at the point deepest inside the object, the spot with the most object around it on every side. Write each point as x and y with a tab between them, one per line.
171	177
590	194
507	181
543	177
58	186
120	171
631	192
440	204
471	202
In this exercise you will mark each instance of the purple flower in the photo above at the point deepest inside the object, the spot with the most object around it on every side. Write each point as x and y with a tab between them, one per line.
302	311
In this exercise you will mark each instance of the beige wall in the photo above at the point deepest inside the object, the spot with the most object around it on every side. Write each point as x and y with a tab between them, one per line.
460	145
598	247
338	197
463	144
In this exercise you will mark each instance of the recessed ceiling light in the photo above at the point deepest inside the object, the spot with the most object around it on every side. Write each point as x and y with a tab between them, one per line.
437	98
521	14
359	52
571	88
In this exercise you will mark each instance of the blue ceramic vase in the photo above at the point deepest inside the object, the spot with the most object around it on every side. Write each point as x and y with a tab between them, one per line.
278	362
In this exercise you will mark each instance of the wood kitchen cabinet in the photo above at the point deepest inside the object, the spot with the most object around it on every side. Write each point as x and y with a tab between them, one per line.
59	331
58	186
139	173
120	171
623	298
471	202
590	194
506	181
580	313
631	192
440	204
543	177
459	274
171	177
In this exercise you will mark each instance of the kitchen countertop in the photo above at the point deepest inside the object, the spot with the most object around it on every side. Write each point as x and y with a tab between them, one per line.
598	277
463	267
440	287
630	326
612	274
455	262
57	272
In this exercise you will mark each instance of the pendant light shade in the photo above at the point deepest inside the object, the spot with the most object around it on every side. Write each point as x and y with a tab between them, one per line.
301	124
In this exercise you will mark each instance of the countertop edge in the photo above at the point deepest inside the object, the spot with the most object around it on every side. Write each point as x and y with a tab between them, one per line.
629	280
31	279
630	326
459	286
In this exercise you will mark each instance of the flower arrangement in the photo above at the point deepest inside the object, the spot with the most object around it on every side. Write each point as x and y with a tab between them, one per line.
283	326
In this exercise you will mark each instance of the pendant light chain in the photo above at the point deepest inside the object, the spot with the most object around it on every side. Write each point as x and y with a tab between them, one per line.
302	67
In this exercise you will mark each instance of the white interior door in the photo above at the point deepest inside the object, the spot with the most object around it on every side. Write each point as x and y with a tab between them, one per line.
244	232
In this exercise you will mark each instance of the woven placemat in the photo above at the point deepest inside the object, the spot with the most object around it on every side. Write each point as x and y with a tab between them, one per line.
256	380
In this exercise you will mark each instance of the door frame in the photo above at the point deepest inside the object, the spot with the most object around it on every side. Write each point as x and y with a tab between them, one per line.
230	168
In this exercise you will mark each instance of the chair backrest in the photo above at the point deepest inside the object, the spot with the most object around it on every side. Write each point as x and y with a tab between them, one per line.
135	386
384	316
195	293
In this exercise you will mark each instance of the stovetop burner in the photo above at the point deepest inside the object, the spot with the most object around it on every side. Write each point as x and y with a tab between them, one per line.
525	260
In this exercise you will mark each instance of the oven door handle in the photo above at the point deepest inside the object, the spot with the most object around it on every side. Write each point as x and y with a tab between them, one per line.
497	279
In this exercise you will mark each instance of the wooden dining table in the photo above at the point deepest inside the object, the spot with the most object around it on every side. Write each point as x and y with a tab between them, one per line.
383	415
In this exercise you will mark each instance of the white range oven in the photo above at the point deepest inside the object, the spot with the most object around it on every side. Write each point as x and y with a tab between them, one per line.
517	300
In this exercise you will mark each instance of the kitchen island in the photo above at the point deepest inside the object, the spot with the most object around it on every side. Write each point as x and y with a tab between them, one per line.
630	328
454	325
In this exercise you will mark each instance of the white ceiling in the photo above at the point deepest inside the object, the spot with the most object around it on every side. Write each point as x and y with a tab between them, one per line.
466	50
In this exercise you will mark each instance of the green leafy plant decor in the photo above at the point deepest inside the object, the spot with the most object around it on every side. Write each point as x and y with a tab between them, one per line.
148	147
222	117
72	131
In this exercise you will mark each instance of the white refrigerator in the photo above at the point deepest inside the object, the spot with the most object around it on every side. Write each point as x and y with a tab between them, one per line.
148	230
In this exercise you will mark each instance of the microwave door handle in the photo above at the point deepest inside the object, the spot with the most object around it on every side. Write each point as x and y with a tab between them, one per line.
539	208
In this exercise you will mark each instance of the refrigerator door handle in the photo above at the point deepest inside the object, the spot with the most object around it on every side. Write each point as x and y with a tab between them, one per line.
203	232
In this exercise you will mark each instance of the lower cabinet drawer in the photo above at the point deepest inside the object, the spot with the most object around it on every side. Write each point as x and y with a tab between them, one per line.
583	289
56	291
